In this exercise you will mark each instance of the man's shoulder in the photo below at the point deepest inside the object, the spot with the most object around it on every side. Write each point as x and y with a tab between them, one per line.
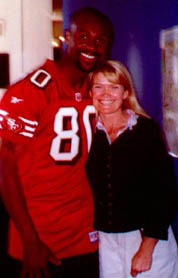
38	79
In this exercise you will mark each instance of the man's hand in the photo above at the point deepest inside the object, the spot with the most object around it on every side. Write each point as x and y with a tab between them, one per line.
35	258
142	260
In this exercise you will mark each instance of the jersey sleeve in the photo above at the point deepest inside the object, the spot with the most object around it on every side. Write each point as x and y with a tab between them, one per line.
21	107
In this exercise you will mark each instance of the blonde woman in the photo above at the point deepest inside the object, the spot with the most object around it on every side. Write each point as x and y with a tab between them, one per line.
133	182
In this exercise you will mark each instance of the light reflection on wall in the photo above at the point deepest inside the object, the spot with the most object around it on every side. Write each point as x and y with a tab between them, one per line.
134	62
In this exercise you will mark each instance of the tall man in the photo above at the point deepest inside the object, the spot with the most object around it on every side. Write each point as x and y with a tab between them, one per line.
46	134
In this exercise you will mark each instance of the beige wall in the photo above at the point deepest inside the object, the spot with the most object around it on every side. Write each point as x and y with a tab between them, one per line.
27	34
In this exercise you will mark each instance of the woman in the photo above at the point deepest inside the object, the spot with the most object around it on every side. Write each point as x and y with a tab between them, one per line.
133	182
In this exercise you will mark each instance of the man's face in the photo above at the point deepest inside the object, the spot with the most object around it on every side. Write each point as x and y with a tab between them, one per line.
88	42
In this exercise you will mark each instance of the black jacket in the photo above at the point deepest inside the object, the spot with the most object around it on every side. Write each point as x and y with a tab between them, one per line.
133	181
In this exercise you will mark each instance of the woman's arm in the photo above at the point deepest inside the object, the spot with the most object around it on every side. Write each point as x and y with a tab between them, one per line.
160	186
142	260
161	198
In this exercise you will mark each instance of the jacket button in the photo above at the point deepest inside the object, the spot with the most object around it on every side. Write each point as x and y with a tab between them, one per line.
109	156
110	194
109	185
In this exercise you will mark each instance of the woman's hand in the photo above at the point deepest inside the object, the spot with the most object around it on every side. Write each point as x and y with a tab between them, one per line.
142	260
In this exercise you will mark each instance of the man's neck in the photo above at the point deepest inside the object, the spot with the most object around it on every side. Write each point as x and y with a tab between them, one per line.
73	75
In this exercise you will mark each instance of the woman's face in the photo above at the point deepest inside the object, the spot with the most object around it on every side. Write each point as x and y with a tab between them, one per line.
107	96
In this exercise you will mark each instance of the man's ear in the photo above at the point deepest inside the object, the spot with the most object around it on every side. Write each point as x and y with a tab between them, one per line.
67	35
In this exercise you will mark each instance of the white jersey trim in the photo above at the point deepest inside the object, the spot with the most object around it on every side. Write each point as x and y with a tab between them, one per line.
3	112
28	121
27	134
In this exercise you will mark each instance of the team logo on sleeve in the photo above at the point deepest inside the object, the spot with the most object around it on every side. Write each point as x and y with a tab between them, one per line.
12	124
17	124
9	123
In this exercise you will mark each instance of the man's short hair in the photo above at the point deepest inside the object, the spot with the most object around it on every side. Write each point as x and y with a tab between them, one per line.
90	11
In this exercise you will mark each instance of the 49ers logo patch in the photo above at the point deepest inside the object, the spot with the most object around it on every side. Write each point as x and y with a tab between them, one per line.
12	124
17	124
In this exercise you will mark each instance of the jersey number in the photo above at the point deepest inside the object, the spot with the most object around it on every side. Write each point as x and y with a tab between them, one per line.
41	78
70	134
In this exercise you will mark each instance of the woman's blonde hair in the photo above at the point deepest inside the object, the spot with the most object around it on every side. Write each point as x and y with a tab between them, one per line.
117	73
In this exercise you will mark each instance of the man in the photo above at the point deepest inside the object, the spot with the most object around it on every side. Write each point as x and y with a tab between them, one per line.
45	124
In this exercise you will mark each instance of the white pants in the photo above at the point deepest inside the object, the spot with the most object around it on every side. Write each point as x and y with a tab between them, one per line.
117	249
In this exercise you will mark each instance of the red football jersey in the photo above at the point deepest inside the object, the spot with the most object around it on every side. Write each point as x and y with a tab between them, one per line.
55	125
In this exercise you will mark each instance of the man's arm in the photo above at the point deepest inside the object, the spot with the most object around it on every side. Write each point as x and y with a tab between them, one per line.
35	253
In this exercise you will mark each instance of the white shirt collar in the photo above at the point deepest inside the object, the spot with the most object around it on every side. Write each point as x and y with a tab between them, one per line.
132	120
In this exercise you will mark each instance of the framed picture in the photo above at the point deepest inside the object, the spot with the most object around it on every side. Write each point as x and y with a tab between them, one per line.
169	46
